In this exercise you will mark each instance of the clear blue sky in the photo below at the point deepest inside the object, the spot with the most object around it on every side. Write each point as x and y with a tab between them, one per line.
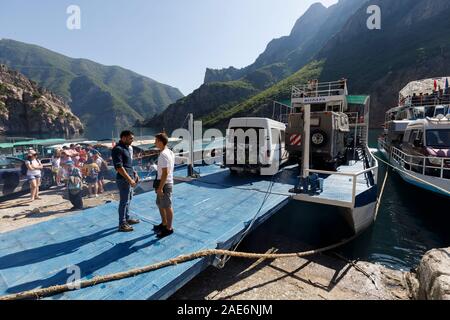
171	41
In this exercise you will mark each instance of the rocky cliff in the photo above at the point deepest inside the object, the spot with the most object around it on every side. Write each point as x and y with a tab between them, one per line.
311	31
412	44
27	109
117	96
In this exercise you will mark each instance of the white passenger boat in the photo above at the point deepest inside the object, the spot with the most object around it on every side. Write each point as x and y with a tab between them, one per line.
416	139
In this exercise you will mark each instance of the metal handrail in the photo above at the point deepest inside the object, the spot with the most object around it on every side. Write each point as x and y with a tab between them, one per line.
354	117
383	144
402	158
322	89
354	176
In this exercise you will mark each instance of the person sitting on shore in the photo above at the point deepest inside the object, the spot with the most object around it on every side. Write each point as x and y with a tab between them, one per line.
74	185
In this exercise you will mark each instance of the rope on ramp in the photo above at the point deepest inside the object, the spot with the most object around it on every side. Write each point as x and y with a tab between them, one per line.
51	291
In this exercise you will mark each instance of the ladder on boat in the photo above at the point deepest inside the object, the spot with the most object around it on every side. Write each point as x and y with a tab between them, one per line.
362	156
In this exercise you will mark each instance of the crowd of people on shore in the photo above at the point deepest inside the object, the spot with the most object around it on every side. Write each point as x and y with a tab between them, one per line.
73	167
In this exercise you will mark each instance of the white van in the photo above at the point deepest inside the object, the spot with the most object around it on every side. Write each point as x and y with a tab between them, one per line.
256	145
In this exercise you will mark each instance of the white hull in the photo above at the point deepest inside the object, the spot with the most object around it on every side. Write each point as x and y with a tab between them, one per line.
433	184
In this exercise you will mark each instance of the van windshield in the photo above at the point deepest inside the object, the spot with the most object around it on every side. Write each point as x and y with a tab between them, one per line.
439	138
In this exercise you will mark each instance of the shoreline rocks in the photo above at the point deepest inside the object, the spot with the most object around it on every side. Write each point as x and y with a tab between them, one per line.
431	281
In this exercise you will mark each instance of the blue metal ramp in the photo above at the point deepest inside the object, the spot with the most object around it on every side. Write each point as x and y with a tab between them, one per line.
211	212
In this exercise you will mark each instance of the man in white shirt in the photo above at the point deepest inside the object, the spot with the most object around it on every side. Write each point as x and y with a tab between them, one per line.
164	186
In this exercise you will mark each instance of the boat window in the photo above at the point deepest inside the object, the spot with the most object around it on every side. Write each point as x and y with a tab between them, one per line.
439	138
439	110
412	136
320	107
419	137
429	112
407	136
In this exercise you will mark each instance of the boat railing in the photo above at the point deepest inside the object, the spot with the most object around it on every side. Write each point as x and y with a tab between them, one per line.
323	89
281	112
354	176
427	166
427	101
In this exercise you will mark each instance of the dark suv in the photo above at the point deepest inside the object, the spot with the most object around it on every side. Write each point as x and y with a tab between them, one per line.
12	181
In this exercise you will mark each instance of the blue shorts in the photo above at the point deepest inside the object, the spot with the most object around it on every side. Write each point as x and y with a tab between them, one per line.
33	177
91	180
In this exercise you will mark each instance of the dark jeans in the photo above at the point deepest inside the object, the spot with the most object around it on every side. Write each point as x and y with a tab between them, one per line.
126	194
76	200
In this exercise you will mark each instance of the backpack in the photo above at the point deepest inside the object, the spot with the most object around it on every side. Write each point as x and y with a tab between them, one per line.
93	172
74	184
24	169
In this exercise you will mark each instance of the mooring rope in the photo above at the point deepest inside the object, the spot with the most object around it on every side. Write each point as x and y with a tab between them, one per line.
381	194
412	176
74	286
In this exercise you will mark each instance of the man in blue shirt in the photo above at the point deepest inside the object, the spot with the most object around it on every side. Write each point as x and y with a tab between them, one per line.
127	178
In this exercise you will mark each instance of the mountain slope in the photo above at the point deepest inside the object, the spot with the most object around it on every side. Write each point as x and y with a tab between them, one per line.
210	97
105	98
261	105
26	108
309	34
282	58
412	44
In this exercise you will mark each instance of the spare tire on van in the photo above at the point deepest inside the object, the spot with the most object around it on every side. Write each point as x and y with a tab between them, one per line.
319	138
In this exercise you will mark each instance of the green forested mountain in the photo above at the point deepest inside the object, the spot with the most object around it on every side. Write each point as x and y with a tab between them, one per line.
105	98
282	58
210	97
309	34
413	43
